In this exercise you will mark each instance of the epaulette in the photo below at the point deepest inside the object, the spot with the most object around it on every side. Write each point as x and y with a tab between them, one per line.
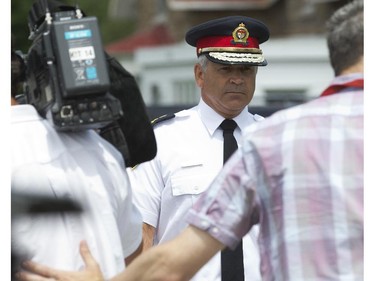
162	118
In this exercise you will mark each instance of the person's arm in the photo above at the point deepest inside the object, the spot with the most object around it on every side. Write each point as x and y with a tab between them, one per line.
148	232
135	254
176	260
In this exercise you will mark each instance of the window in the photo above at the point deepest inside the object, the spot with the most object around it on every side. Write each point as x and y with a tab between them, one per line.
185	92
155	94
285	97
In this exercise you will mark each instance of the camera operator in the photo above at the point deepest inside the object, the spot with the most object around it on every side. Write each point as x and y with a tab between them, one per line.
79	165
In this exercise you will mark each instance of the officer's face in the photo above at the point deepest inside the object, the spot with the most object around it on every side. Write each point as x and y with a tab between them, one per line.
228	89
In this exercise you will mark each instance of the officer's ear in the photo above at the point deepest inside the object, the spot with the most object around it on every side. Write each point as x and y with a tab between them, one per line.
199	73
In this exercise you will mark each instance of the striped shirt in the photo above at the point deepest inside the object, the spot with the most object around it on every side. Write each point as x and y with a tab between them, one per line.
300	174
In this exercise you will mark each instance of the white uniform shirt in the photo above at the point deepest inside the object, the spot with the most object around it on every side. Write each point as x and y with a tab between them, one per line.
189	156
84	167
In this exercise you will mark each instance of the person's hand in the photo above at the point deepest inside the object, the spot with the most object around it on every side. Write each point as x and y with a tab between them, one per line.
39	272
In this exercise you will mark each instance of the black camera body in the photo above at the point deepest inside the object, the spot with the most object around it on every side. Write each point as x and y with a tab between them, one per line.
67	73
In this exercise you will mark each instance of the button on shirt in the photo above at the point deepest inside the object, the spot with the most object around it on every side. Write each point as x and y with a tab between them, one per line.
303	169
189	156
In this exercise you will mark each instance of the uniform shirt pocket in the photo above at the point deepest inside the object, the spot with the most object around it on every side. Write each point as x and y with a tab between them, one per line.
192	183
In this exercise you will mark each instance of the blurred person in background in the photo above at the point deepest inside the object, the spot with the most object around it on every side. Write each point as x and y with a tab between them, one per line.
78	165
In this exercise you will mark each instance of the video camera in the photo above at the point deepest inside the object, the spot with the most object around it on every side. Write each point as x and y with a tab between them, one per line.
67	78
75	84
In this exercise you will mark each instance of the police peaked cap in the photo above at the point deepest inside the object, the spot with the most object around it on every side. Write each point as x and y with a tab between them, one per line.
230	40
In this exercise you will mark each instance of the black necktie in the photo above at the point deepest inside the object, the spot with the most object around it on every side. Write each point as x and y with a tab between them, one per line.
231	261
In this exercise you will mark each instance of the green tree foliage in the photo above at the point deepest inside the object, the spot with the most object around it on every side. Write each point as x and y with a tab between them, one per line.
111	29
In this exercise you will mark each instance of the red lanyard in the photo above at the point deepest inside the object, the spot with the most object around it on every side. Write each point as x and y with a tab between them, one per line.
336	88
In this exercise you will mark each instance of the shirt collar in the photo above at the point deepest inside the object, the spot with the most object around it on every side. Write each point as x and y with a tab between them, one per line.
212	120
344	83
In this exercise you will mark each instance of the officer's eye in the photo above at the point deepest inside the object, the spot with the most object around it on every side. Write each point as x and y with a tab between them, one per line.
248	69
225	69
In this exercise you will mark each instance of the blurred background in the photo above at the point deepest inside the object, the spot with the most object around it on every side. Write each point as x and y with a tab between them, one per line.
147	37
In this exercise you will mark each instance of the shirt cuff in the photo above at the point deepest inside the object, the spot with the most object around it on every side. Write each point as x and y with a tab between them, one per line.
219	233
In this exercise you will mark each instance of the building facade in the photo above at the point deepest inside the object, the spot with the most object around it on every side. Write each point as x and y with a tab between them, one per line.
298	65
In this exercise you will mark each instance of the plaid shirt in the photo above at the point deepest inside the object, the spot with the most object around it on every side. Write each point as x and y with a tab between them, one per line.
301	173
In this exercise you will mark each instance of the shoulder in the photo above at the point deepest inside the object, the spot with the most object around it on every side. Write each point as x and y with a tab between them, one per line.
169	120
162	118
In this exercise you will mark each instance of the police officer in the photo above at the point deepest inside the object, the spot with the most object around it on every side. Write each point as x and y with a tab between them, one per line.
190	142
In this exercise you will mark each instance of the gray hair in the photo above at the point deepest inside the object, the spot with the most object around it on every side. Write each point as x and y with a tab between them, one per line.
203	61
345	36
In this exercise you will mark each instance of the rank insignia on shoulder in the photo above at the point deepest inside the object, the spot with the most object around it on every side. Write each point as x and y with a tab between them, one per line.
162	118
